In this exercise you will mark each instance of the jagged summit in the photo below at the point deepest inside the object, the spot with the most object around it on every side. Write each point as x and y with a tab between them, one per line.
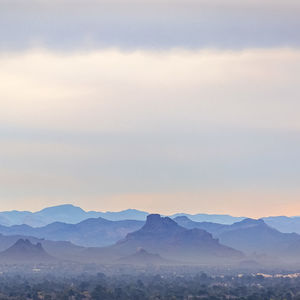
143	257
248	222
182	218
156	222
25	244
156	227
24	251
164	236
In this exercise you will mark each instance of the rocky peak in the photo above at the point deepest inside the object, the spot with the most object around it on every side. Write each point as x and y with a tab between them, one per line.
157	223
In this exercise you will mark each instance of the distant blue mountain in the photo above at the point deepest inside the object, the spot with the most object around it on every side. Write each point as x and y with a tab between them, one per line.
284	224
60	249
221	219
164	236
13	217
281	223
250	236
143	257
23	251
178	239
71	214
93	232
66	213
128	214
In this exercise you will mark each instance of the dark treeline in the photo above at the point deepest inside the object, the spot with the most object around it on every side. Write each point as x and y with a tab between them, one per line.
147	286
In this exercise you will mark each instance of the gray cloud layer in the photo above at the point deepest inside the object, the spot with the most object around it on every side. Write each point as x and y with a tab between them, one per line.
145	126
132	122
68	25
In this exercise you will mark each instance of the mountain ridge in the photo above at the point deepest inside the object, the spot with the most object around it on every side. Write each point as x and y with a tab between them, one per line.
164	236
143	257
93	232
65	213
71	214
23	251
251	236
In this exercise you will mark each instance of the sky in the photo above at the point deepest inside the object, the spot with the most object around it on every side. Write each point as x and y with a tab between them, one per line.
164	106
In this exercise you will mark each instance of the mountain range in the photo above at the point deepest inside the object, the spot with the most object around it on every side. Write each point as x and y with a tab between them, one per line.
159	240
66	213
62	250
23	251
143	257
164	236
93	232
250	236
71	214
222	219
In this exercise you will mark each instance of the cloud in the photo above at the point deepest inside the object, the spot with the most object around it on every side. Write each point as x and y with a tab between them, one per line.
150	104
85	127
163	24
112	90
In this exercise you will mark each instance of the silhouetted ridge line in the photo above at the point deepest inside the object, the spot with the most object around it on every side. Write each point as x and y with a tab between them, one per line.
23	251
164	236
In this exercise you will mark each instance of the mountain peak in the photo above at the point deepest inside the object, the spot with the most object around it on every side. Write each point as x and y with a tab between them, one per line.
26	244
164	236
156	226
22	242
24	251
153	218
182	219
141	250
156	222
143	257
249	221
62	208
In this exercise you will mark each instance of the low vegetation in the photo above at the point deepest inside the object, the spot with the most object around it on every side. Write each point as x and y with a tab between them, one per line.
144	286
